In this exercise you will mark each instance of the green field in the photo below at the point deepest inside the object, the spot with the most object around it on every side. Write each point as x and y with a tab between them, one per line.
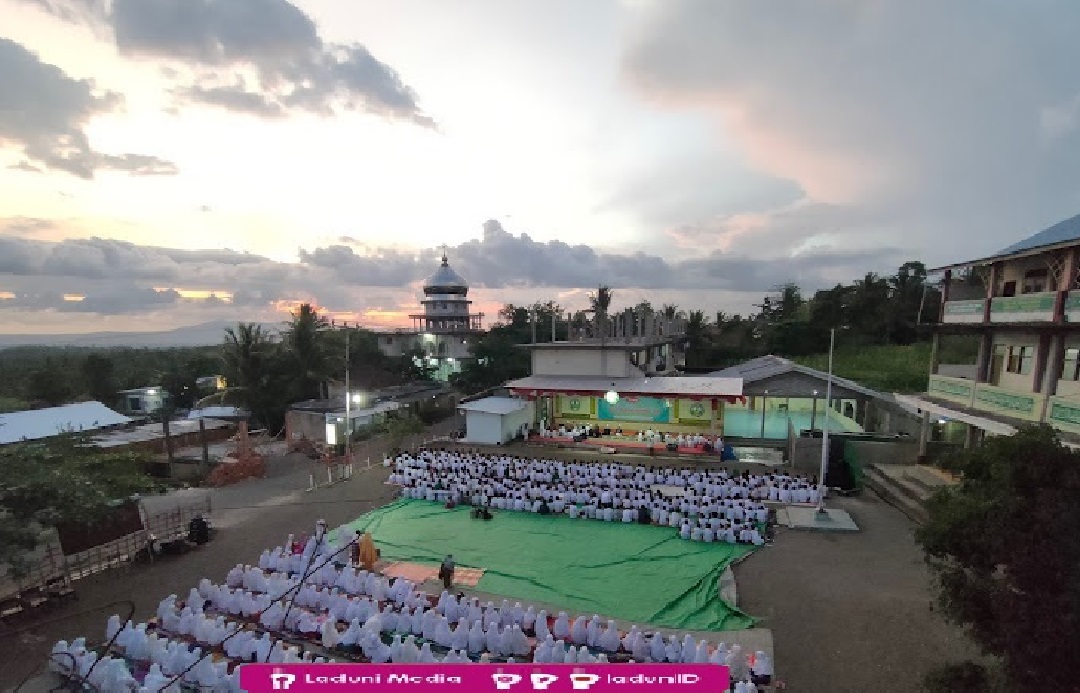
638	573
891	368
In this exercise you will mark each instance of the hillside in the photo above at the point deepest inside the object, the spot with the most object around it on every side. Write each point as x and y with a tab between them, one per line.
889	368
206	334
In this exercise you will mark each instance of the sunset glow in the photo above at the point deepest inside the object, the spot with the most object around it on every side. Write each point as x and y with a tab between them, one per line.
694	153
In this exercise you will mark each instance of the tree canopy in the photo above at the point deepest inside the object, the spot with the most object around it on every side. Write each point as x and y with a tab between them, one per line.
1004	546
872	311
63	480
269	373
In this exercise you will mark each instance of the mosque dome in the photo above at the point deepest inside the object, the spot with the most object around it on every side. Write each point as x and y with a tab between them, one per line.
445	281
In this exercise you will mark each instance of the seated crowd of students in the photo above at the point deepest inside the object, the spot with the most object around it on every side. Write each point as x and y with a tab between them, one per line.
702	505
346	613
682	440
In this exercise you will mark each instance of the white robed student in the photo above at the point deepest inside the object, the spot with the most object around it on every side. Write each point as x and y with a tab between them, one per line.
657	648
561	628
579	633
761	672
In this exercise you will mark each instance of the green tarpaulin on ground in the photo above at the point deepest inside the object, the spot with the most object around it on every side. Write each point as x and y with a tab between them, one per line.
638	573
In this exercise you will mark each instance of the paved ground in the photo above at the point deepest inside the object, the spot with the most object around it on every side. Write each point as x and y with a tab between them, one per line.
847	612
850	612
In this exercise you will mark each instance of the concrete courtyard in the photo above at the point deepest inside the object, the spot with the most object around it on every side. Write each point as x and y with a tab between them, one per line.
848	612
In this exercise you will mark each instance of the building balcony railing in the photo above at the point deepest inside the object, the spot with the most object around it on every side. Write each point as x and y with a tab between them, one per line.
1039	307
958	390
1063	413
988	398
1025	308
1018	405
1072	306
959	312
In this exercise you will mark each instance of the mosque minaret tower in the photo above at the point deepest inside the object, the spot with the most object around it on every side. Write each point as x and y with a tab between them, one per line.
447	330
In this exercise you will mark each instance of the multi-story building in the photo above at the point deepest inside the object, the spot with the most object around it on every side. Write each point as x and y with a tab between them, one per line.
446	332
1022	306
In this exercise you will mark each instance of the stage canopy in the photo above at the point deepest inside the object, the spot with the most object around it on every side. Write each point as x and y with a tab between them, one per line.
681	387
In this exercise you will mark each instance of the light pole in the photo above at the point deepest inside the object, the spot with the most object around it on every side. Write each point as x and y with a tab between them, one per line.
348	402
764	407
825	427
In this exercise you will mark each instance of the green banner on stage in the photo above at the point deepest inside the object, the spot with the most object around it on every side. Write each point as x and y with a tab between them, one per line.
643	409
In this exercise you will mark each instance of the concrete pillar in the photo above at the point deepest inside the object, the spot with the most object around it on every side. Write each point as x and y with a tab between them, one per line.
924	433
1055	358
1051	358
986	353
860	412
945	285
971	436
1068	273
935	349
991	286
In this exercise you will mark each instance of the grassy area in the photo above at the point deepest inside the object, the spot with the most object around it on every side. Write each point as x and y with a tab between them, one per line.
10	404
882	368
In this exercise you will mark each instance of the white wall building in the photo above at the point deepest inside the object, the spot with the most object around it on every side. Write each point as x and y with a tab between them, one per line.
496	420
446	331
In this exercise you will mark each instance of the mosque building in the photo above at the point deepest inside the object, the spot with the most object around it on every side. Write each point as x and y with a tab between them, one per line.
447	329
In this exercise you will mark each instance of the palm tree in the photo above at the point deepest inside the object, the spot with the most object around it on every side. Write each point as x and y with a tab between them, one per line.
599	304
308	346
248	357
245	354
697	324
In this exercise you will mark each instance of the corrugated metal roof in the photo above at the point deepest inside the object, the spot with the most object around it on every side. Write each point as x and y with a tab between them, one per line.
1061	232
494	405
765	367
663	386
218	413
36	424
986	424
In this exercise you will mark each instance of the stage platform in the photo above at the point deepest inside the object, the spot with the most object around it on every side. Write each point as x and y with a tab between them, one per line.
624	444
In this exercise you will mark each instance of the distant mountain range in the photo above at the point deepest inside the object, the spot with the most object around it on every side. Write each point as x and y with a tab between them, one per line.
205	334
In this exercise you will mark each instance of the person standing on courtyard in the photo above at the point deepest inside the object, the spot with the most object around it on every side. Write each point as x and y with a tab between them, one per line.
446	572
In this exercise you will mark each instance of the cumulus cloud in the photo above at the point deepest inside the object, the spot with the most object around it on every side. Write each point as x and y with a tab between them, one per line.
931	123
260	57
117	277
43	113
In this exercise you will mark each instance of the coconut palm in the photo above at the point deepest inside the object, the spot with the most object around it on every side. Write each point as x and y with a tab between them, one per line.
249	357
307	343
599	305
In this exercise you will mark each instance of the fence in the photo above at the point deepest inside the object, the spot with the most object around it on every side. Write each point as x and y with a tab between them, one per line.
49	562
371	453
119	553
173	524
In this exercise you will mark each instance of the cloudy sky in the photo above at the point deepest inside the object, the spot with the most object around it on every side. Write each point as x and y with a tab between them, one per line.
172	162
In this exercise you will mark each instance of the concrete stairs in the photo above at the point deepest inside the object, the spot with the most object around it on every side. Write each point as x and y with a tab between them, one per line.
768	456
906	487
